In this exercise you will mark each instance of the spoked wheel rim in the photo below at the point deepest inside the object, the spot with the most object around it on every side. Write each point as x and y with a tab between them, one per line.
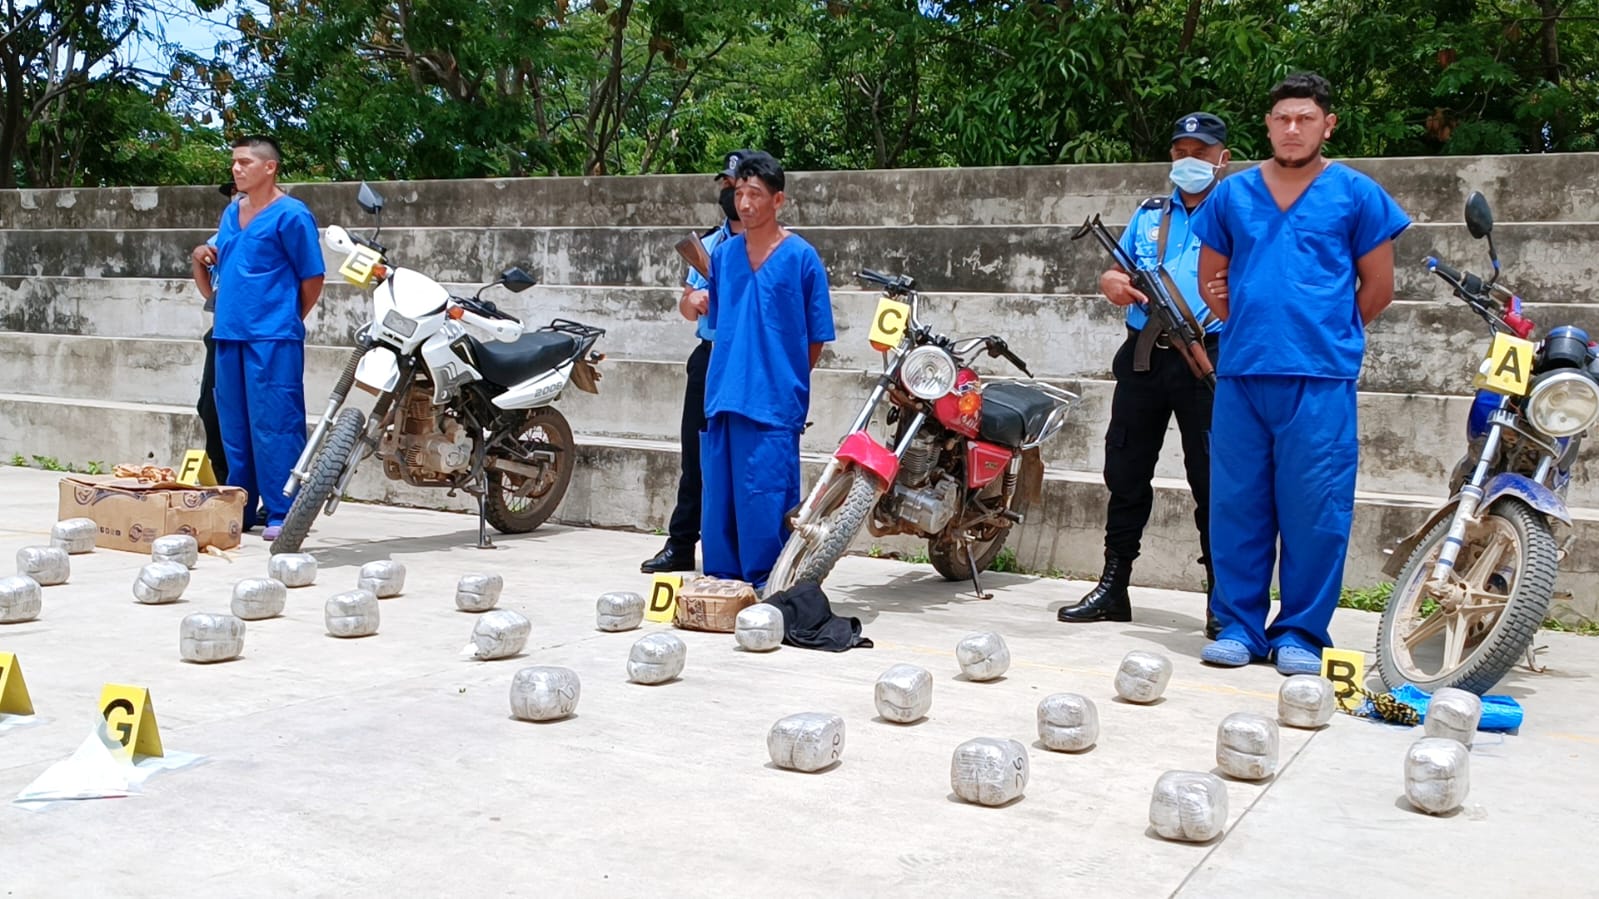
520	492
1434	635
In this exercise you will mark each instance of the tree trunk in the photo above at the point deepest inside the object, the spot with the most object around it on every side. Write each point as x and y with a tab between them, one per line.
1549	37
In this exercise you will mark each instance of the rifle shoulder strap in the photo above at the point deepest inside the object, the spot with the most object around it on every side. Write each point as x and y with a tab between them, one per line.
1160	271
1152	330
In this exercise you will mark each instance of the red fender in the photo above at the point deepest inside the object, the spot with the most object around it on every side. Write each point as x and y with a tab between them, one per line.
862	450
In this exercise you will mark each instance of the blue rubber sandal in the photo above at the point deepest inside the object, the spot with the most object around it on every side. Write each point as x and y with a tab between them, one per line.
1297	660
1227	653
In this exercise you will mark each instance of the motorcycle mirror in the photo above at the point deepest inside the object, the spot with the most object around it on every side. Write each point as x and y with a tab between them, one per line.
516	280
1479	218
371	203
1480	222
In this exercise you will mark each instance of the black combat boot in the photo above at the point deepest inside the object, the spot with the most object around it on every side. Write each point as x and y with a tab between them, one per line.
1108	600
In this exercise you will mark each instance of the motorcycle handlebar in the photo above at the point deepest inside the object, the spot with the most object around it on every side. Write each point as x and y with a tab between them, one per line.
998	347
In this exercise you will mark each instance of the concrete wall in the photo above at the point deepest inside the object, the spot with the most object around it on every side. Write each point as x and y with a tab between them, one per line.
98	356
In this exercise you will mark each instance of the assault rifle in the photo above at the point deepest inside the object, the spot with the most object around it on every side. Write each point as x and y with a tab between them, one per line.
1169	312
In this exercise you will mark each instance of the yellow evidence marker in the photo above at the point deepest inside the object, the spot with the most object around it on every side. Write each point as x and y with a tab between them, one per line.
1346	668
1508	368
130	718
889	323
663	597
196	470
13	689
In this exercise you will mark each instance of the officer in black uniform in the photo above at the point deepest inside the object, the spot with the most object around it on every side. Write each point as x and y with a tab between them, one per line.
683	532
1152	380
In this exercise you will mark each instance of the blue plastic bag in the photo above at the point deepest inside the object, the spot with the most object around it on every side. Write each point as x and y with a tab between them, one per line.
1499	713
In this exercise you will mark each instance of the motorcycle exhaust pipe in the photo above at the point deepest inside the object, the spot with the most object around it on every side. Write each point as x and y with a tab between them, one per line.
341	389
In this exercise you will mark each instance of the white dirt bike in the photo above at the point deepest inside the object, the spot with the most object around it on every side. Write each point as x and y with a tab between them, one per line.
463	397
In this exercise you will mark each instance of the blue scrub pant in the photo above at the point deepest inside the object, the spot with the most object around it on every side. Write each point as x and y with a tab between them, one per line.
751	475
260	397
1282	465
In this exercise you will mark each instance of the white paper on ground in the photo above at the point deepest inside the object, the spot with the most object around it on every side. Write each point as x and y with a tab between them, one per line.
9	722
97	771
94	771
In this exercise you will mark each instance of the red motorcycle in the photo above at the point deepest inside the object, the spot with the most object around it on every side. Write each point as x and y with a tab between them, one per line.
961	468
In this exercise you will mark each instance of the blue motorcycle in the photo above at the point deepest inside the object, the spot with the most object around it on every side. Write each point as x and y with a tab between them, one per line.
1473	584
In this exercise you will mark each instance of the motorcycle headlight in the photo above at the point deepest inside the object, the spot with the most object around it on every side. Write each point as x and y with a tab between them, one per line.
928	372
1564	404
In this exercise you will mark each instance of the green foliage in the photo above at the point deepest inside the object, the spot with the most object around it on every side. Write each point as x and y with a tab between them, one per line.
94	468
468	88
50	463
19	460
1006	562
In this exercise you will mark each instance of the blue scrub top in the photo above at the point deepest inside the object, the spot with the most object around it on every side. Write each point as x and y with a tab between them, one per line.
702	325
259	270
1291	275
765	322
1141	239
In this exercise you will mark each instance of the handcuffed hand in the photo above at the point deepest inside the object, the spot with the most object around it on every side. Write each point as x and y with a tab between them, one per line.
694	304
1216	288
205	254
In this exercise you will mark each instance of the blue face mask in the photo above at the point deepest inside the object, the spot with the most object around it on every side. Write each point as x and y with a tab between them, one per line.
1192	175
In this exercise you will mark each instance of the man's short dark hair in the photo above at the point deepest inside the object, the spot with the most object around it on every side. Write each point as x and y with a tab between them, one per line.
1303	86
262	145
763	166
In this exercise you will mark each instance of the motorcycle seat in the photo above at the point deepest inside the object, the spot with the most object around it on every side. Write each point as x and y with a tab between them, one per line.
509	364
1013	414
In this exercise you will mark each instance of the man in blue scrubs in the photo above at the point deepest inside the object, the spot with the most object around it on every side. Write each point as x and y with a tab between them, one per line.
1298	258
771	312
269	276
1153	383
683	531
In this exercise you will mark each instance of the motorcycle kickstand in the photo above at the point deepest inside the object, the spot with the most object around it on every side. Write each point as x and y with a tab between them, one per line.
483	541
971	563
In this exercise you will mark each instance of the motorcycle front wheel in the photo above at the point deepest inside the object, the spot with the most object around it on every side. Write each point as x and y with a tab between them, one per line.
1471	635
327	466
812	550
517	504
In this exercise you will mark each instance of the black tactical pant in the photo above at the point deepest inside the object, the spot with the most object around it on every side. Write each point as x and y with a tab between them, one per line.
683	532
1140	410
207	407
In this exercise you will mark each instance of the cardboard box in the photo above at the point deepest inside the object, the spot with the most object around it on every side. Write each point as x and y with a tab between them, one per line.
132	513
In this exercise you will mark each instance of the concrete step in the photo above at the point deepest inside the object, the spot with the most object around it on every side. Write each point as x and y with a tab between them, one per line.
1427	346
1547	187
1409	441
1545	262
631	483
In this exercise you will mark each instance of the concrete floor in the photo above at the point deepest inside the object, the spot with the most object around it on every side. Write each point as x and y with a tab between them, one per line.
367	767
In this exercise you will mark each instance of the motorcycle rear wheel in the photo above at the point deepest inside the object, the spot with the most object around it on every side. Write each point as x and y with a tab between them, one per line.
810	553
326	469
1498	594
516	504
949	556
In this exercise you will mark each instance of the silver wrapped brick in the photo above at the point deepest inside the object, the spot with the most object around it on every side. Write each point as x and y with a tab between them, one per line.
1189	805
47	565
1246	746
544	693
160	582
759	628
809	741
989	771
1306	701
1437	775
1143	676
382	579
179	548
1067	722
75	535
500	634
20	599
293	569
1453	714
983	656
478	592
656	659
618	611
904	694
255	598
205	637
353	613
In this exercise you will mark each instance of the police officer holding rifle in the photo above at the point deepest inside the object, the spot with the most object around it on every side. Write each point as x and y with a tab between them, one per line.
1164	367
